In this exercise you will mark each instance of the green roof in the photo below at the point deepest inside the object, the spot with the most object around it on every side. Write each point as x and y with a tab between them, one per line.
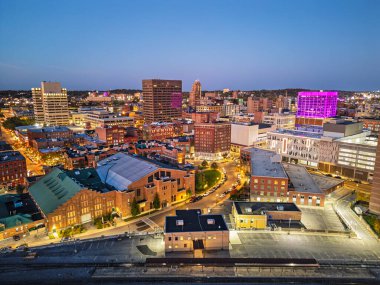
16	220
53	190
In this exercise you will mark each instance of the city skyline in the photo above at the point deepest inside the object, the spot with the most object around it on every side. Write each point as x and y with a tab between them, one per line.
254	45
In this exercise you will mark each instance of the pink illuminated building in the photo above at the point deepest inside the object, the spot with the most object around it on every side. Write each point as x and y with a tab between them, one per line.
317	104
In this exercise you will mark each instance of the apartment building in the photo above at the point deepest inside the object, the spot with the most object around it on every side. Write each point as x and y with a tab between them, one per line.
212	140
13	170
112	135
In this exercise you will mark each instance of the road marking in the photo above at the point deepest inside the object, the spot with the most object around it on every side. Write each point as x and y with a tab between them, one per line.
150	223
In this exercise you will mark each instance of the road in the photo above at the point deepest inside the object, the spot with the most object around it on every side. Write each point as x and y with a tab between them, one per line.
32	166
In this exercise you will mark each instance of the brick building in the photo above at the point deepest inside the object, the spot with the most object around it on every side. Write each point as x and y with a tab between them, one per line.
189	230
212	140
145	178
12	169
18	215
161	130
112	135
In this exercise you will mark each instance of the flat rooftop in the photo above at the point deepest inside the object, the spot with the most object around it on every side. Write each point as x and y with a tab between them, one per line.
326	183
266	163
298	133
193	221
259	208
10	156
301	179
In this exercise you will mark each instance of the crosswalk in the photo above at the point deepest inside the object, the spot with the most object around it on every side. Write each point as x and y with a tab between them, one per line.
150	223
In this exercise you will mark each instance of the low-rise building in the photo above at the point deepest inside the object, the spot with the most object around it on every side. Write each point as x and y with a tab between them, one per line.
112	135
68	198
146	178
249	134
189	230
161	130
12	169
18	216
280	120
257	215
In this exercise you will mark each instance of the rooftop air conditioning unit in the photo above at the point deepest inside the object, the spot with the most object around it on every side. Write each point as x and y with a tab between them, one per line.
179	222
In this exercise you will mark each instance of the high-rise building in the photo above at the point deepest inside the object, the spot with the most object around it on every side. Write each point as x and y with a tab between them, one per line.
374	201
195	94
317	104
50	104
162	100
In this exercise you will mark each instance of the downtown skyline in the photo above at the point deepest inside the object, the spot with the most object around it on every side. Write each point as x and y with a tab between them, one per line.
329	45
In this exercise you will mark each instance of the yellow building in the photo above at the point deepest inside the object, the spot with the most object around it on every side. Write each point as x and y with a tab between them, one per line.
256	215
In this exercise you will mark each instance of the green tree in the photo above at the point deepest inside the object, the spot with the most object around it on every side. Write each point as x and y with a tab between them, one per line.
13	122
135	209
156	201
204	163
189	193
20	189
214	165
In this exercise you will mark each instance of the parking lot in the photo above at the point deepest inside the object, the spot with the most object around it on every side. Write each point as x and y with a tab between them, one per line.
323	248
321	218
115	249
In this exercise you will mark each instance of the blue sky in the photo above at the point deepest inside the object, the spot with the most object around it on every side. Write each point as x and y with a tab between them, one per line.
237	44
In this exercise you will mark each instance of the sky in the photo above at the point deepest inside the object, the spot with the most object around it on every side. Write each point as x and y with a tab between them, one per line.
237	44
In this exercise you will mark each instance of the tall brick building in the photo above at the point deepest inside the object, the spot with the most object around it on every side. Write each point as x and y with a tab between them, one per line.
212	140
162	100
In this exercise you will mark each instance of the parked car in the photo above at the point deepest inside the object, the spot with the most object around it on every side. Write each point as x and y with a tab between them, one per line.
16	238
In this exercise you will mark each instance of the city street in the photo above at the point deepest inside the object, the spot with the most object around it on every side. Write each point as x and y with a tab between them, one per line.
31	166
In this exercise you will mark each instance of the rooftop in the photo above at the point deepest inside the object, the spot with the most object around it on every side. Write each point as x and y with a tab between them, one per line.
326	183
266	163
298	133
10	156
301	180
17	210
89	178
49	129
194	221
53	190
259	208
120	170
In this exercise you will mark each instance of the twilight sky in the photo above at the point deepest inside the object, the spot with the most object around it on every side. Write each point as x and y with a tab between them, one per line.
246	45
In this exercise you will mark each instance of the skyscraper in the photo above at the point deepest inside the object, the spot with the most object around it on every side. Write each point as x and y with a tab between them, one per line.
162	100
195	94
317	104
374	201
50	104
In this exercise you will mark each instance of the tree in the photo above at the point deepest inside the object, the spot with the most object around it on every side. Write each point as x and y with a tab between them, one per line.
204	163
189	193
20	189
13	122
214	165
135	209
156	201
225	155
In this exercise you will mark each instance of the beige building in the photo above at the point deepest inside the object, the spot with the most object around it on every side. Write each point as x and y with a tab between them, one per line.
189	230
257	215
50	104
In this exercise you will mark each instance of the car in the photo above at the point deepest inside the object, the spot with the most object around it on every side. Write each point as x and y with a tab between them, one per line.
22	247
66	239
16	238
338	177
